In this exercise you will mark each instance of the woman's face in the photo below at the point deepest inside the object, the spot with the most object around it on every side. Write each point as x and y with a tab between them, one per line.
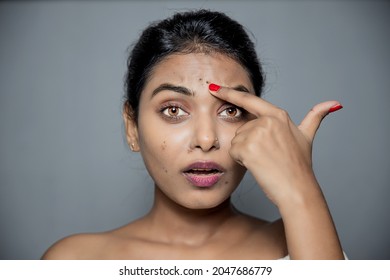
184	133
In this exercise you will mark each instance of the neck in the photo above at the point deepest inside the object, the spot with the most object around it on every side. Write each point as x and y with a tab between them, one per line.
173	223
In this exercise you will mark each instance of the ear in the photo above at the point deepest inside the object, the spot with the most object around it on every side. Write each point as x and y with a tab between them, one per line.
131	128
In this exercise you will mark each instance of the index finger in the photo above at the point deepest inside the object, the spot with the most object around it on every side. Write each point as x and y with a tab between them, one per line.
248	101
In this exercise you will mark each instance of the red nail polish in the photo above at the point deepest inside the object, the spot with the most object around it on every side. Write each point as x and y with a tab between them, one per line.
214	87
335	108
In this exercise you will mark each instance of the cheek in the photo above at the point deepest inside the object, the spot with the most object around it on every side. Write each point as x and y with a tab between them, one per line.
226	136
163	140
162	144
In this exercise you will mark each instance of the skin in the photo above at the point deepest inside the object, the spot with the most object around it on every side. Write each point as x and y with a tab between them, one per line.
179	126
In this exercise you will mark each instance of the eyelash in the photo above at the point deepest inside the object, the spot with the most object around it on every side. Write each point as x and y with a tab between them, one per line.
242	113
167	106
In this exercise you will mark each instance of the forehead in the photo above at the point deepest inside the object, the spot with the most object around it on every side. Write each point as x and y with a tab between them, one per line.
185	68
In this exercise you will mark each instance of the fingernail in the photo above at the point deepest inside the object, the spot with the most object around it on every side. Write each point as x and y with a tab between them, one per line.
214	87
335	108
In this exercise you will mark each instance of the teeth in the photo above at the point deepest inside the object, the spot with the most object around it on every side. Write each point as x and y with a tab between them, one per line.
200	170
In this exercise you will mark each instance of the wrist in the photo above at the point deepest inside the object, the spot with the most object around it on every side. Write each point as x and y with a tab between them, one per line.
301	197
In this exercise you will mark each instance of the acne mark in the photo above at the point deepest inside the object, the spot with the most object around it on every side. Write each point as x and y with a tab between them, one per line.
226	182
207	82
163	146
165	170
200	79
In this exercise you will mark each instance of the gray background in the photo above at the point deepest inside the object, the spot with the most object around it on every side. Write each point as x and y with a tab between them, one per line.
65	167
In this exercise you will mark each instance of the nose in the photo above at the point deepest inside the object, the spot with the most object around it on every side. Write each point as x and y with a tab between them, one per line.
205	136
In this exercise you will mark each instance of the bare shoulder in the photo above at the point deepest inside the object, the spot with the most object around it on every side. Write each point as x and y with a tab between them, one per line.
274	229
114	244
277	238
76	247
268	238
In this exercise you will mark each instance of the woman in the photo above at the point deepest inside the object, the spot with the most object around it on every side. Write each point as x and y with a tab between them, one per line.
193	110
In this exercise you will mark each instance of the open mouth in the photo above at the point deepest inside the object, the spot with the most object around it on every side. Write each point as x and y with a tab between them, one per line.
202	171
203	174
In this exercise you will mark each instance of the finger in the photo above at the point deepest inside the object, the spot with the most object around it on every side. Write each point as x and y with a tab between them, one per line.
313	119
247	101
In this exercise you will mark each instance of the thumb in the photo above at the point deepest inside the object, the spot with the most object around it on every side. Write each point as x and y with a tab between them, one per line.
313	119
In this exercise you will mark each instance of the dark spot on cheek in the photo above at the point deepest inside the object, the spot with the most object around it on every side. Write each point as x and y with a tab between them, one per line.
226	182
163	146
200	79
164	169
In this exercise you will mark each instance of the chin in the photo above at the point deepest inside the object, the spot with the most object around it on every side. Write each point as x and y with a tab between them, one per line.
204	203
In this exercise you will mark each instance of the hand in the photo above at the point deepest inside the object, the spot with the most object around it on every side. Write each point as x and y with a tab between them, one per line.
276	151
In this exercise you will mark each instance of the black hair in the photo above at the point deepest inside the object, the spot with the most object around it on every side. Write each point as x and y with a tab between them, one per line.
200	31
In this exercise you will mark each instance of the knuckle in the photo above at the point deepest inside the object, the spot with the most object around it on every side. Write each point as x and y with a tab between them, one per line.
233	152
266	124
259	130
251	148
283	115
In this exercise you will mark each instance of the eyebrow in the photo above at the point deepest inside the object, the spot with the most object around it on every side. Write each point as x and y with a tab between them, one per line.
171	87
186	91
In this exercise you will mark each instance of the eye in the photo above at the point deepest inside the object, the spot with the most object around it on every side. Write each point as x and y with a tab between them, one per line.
174	112
231	112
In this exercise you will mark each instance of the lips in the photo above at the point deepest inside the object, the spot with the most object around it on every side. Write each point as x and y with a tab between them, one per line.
203	173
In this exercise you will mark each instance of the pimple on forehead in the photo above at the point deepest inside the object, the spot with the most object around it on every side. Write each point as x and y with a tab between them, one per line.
201	80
